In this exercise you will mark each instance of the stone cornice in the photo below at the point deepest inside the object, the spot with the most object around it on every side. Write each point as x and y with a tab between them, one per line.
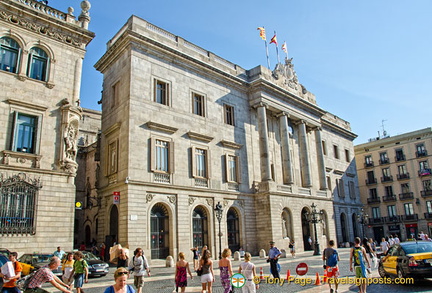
112	129
231	144
27	105
161	127
199	136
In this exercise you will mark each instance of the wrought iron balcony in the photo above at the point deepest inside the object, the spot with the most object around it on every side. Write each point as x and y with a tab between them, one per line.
403	176
406	195
375	220
374	199
428	215
421	154
413	217
392	219
371	181
400	157
426	193
387	178
369	164
425	172
389	198
384	161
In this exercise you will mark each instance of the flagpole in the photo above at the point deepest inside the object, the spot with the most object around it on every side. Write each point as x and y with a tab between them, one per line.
267	54
277	51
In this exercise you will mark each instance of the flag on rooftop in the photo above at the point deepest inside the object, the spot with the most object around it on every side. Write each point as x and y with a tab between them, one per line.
262	33
284	47
274	40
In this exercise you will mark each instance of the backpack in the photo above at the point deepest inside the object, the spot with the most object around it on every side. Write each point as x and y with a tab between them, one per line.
333	259
23	283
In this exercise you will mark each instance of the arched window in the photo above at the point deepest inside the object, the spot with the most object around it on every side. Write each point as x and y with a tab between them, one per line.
233	227
199	226
38	64
159	232
9	52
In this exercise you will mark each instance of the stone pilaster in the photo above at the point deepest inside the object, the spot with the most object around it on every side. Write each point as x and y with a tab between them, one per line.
320	159
264	143
286	156
304	155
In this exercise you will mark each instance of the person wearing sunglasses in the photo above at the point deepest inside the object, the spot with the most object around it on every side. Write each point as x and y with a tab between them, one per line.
120	277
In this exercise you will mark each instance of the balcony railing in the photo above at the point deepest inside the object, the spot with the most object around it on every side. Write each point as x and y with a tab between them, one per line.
387	178
389	198
425	172
392	219
426	193
384	161
375	220
369	164
428	215
413	217
403	176
400	157
421	154
371	181
374	200
406	195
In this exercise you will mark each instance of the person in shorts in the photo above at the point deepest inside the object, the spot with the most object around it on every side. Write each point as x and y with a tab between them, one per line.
331	258
139	265
80	271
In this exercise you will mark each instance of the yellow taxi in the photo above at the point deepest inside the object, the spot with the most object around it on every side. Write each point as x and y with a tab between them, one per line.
407	259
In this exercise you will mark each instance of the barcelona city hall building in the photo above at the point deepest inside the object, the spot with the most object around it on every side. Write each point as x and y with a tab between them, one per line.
184	130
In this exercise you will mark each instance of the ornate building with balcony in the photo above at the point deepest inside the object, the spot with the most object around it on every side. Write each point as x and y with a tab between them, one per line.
42	51
402	206
184	129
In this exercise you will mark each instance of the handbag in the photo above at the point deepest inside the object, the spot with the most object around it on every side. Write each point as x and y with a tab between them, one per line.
199	272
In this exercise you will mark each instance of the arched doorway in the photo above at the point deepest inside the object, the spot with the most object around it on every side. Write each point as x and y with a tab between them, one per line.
354	223
159	232
200	227
113	228
287	224
344	229
233	230
305	229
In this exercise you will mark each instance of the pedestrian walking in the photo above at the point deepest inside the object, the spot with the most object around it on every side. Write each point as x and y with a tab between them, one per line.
195	253
273	257
207	277
292	247
331	259
384	245
120	279
59	253
358	260
102	251
80	271
122	259
181	271
44	275
67	268
225	270
139	265
248	270
9	285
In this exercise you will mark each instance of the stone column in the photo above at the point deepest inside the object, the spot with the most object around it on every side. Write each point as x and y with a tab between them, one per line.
264	144
77	82
286	153
304	155
320	159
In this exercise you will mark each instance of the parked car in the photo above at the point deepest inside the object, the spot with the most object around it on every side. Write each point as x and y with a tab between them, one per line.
34	261
407	259
96	267
3	260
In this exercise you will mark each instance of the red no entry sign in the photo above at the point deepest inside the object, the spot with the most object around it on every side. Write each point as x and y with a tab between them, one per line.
302	269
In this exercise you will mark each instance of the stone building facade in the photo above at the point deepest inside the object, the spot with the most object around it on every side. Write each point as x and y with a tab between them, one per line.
184	130
42	50
395	181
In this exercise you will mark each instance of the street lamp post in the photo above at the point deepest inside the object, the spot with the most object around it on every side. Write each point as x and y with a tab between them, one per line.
314	218
218	211
362	219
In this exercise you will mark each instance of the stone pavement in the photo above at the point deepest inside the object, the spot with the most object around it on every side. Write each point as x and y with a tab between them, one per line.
162	279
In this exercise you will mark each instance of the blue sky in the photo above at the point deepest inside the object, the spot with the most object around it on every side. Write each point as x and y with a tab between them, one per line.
366	61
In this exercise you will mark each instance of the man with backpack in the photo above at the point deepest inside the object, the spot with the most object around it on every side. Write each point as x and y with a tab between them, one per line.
358	258
138	265
330	258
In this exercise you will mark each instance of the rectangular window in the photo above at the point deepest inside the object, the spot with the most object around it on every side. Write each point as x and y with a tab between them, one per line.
198	104
421	150
324	147
373	193
336	151
229	114
201	163
161	95
340	187
347	156
371	177
232	168
405	188
351	188
112	157
409	209
376	213
429	207
423	165
389	191
386	172
427	186
391	211
162	157
368	161
329	185
25	133
384	158
400	155
115	94
402	170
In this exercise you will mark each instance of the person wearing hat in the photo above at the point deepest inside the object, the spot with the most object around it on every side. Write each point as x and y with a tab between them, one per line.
273	257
